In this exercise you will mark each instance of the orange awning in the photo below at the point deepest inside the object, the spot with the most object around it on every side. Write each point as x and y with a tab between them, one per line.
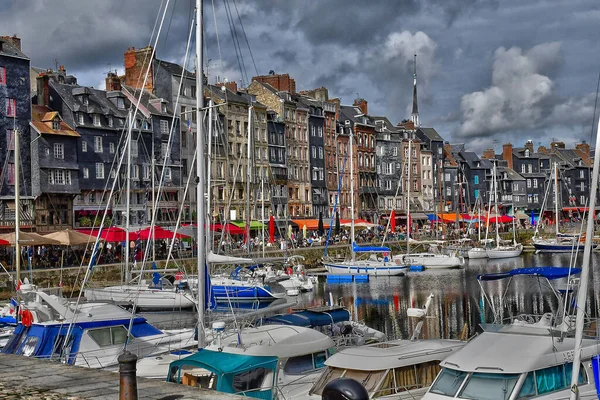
311	224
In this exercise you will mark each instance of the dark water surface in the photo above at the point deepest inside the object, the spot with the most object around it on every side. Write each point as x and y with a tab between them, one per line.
382	302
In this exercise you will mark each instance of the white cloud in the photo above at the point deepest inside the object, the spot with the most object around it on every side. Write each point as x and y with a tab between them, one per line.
520	95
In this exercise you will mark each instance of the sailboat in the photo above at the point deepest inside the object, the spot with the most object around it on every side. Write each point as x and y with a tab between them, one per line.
374	265
560	243
478	252
428	259
501	251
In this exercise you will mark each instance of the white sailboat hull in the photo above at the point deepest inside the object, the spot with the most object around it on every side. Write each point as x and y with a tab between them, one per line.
505	251
430	260
154	299
477	253
365	268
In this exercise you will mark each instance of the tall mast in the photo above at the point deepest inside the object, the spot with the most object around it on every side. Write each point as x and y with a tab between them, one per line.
408	198
153	183
556	197
209	235
248	178
351	191
128	196
496	206
262	213
17	151
200	172
585	272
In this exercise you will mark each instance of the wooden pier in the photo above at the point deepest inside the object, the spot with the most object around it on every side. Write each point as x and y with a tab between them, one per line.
29	378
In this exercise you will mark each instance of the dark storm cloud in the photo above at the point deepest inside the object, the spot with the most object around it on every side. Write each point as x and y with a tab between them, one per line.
487	69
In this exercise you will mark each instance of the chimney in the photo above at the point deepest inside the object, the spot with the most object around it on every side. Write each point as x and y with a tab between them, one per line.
583	147
488	154
229	85
281	82
136	64
113	82
529	146
43	90
362	103
557	145
543	150
14	41
507	154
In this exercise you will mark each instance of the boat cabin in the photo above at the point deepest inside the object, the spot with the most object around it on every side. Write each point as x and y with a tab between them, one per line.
390	369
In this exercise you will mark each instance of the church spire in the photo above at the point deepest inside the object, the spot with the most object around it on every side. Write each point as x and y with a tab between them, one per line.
415	109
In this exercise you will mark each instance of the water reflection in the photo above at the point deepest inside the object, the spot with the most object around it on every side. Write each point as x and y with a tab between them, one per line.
458	304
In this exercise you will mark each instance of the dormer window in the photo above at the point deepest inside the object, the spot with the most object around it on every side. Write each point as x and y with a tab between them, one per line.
96	120
526	152
110	121
56	124
80	118
120	103
85	100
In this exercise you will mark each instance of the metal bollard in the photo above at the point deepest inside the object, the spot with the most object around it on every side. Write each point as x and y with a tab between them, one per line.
127	378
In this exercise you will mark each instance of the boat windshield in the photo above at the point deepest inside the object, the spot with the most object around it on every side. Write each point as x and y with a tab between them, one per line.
448	382
484	386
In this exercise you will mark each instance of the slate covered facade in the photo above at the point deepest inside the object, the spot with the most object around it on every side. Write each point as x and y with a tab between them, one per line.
15	114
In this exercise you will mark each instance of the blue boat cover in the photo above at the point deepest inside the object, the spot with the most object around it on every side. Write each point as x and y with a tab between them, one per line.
546	272
226	366
310	319
366	249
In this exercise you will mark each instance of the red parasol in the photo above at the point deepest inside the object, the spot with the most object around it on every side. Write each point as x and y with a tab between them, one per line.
393	221
159	234
271	229
111	234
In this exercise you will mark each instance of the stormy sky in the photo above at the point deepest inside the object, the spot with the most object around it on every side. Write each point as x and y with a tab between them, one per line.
489	71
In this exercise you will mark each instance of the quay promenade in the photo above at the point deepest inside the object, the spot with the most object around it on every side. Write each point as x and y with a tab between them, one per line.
29	378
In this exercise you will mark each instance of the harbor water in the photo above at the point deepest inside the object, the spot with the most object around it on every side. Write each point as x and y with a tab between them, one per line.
457	304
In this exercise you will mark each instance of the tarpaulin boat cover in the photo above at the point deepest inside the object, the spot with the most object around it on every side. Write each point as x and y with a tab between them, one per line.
545	272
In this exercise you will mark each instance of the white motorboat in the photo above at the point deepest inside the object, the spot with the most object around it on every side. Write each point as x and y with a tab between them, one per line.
514	366
399	369
91	335
271	359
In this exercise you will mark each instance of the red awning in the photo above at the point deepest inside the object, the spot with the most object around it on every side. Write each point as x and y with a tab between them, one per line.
311	224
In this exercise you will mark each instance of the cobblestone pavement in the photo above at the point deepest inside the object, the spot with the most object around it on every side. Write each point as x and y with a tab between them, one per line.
20	392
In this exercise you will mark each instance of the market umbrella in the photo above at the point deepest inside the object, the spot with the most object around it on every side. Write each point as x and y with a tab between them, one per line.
393	221
28	239
337	223
304	229
271	229
289	231
111	234
159	234
321	229
532	218
69	237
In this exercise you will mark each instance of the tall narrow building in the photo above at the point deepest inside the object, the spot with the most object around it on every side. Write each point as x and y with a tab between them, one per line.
415	109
